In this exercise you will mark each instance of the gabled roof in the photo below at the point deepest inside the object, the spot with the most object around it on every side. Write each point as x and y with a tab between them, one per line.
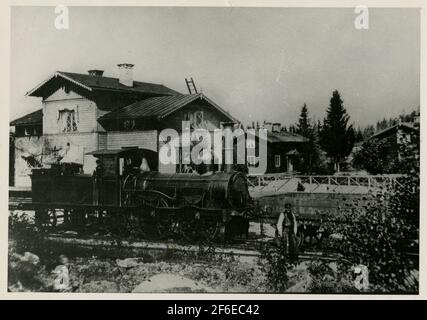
160	107
119	152
33	118
93	82
275	137
393	129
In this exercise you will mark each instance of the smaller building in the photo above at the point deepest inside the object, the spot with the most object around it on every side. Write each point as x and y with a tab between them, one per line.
29	125
400	134
283	149
26	147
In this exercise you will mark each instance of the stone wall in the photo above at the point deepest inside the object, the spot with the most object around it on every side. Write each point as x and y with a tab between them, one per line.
313	205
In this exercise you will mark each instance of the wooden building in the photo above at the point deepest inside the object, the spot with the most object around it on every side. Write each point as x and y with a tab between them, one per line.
26	147
397	135
82	113
283	147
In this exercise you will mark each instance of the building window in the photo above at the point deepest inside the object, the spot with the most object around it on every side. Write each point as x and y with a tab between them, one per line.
188	116
198	119
252	161
277	160
67	120
29	131
129	124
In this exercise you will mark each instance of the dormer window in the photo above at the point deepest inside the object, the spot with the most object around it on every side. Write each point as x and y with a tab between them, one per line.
129	124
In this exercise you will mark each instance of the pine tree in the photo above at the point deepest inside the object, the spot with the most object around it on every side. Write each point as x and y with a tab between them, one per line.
336	137
310	150
303	127
368	131
359	135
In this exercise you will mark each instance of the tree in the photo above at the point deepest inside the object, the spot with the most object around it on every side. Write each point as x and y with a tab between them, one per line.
359	135
336	137
374	156
368	131
381	125
304	127
309	151
385	236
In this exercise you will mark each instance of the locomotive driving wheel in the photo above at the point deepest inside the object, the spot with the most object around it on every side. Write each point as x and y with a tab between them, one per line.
193	227
187	225
155	225
210	230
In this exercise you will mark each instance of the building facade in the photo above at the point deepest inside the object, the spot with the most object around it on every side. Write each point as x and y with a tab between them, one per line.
82	113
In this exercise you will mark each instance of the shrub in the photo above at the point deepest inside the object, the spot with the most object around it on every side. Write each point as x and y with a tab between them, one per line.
384	236
24	233
324	279
373	156
276	265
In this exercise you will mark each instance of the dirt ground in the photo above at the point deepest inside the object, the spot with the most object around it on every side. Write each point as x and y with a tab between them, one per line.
28	272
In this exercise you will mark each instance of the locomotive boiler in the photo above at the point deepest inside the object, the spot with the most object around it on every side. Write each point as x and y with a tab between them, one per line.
120	197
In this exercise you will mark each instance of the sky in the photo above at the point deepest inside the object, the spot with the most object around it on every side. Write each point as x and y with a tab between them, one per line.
257	63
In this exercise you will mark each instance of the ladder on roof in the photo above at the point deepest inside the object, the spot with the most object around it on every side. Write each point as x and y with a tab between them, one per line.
191	86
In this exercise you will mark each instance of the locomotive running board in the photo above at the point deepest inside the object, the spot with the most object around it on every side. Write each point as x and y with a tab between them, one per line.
61	205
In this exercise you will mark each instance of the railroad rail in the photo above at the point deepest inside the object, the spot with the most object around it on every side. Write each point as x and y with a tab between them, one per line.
248	250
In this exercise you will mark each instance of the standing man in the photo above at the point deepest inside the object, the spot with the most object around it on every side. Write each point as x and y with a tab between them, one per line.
97	177
287	230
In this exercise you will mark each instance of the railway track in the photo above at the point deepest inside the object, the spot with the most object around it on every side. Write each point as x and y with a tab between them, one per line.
249	250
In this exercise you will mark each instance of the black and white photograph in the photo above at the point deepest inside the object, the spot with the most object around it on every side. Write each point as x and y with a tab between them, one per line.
212	150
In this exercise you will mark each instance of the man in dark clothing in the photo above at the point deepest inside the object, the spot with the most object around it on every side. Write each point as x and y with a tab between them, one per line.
97	176
287	230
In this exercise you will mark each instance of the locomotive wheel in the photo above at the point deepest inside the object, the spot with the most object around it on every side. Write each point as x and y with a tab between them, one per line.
194	228
187	227
77	217
210	230
51	219
156	227
45	218
40	216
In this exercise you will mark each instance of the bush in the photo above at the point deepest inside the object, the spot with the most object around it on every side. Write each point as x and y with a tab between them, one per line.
324	279
275	265
374	156
24	233
384	236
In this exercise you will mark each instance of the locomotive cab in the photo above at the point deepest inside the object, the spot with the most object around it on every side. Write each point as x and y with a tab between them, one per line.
112	166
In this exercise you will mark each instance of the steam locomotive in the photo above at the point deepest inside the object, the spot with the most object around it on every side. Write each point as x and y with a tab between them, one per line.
121	198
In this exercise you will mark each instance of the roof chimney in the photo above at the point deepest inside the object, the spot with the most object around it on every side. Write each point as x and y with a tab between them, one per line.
277	126
126	74
95	72
268	126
